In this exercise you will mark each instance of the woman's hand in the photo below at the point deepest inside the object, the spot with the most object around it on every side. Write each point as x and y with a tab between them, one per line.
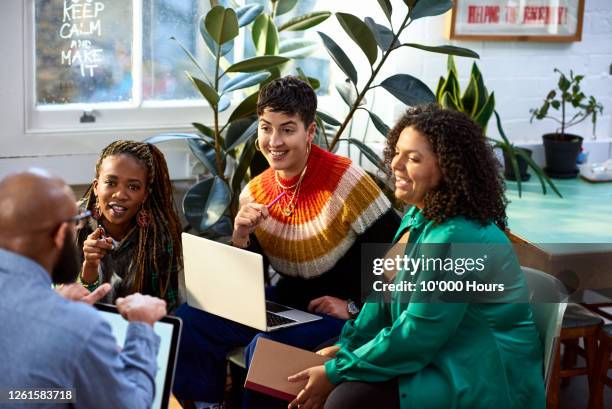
329	352
95	248
248	218
329	305
316	391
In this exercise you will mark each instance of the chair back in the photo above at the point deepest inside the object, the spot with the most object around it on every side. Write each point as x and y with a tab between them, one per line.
548	299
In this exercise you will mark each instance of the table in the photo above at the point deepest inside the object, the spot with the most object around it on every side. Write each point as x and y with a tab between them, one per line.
569	237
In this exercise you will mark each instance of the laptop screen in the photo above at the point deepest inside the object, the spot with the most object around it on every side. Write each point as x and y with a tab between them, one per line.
168	329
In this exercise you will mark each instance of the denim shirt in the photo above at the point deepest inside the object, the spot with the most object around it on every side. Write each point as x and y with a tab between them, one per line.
47	341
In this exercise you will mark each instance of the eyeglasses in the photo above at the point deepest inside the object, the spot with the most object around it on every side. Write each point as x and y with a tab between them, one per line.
80	219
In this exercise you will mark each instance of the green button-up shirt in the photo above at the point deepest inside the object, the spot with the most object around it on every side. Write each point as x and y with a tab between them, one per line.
450	355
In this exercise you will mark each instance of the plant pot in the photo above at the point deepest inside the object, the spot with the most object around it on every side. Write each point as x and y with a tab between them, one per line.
522	165
561	152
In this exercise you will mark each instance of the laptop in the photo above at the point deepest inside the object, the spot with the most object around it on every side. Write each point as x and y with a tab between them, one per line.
169	330
229	282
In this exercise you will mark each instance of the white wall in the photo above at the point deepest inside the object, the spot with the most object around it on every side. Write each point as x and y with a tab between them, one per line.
519	73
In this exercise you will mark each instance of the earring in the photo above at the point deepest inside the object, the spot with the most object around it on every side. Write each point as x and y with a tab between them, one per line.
257	148
96	214
308	148
143	218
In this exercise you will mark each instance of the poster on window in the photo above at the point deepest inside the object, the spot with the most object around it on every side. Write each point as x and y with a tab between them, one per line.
517	20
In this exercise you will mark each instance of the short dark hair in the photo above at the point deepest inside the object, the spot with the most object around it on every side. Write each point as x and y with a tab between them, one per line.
289	95
471	184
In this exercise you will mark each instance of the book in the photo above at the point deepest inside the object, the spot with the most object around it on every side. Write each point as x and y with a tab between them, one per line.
273	363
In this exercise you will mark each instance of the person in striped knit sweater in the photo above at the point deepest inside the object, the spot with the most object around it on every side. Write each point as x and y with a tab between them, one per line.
308	215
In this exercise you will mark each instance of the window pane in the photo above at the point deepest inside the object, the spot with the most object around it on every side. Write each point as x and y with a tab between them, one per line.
164	62
83	51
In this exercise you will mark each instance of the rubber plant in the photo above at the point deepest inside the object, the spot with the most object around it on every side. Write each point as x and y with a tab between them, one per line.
226	148
479	104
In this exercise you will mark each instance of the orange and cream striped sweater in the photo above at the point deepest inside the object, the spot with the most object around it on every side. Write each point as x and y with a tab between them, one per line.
337	202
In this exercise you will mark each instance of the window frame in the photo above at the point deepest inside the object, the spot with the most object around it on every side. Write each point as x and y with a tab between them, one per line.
134	115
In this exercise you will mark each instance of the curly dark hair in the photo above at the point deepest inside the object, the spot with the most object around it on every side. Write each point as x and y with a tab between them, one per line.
471	184
289	95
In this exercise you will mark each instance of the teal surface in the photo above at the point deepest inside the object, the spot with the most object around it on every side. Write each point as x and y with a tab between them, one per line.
583	215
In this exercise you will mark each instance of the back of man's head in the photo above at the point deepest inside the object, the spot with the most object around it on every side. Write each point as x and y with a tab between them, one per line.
33	206
289	95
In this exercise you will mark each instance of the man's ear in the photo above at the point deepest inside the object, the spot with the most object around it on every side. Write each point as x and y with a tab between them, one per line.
60	235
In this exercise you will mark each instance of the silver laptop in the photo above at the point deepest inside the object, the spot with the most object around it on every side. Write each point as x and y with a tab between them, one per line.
229	282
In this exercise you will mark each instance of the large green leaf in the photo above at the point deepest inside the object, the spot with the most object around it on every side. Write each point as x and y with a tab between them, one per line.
439	88
384	37
211	44
428	8
245	80
243	137
257	63
483	116
221	24
347	92
203	129
379	124
168	137
206	202
205	153
368	152
469	100
445	49
451	85
305	22
206	90
408	89
265	36
360	33
386	7
224	103
339	57
328	118
285	6
448	101
297	48
314	83
246	14
192	58
247	107
483	93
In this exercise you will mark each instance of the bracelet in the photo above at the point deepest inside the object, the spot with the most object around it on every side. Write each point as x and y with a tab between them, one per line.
86	284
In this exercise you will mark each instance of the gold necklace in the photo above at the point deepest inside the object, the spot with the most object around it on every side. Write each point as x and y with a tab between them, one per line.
289	206
278	182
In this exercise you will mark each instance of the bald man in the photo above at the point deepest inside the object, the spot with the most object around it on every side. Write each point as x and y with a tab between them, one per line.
48	341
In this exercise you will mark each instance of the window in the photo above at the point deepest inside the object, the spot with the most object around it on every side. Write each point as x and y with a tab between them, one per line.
113	62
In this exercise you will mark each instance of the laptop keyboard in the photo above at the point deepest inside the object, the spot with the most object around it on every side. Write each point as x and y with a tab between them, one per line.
275	320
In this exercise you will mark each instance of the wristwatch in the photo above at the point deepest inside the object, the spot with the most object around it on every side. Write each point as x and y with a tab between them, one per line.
352	308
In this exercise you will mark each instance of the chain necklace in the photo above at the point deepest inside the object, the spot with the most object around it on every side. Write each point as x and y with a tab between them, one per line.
289	206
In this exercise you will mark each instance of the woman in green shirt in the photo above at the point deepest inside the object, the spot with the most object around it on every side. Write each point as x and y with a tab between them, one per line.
476	348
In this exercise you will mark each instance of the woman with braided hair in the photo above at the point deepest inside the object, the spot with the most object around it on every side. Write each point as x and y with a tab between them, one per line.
133	240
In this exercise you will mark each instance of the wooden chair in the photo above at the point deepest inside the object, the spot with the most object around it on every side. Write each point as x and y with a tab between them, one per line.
578	324
603	363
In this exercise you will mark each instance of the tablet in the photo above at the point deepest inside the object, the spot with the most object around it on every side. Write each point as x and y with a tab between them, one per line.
169	330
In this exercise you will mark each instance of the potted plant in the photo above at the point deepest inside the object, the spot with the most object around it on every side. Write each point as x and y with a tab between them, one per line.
479	104
561	148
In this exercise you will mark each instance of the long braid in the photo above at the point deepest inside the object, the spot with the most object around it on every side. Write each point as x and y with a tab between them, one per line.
164	227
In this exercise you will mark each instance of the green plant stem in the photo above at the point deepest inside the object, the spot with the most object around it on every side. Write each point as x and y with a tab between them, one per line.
273	9
563	115
366	88
218	157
